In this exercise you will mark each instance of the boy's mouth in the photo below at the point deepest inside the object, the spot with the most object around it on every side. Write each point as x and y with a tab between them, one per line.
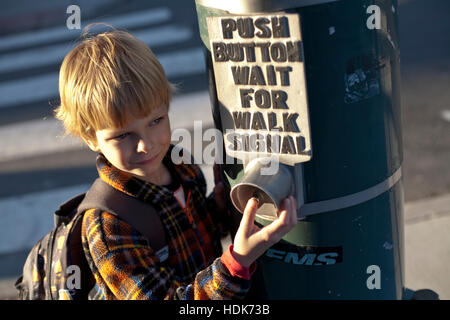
149	160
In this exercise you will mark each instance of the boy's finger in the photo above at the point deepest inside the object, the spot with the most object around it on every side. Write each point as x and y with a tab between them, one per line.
292	211
290	206
291	214
274	230
248	217
285	221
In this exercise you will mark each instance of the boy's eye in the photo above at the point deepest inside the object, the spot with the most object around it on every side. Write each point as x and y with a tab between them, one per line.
121	137
156	121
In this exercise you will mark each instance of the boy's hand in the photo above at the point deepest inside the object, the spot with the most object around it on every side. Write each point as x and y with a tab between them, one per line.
251	241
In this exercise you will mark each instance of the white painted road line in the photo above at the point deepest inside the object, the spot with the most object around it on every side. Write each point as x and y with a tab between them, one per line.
34	138
28	218
14	93
54	54
62	33
40	137
445	114
185	62
28	90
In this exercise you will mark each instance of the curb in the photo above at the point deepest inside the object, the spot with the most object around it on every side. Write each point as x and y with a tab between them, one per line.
427	209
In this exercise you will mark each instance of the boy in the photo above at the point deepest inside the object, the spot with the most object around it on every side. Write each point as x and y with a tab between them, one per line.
115	96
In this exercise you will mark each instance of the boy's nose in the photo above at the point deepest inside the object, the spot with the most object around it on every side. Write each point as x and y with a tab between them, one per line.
143	146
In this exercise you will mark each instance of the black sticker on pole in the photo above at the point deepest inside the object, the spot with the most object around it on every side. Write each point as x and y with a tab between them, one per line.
305	255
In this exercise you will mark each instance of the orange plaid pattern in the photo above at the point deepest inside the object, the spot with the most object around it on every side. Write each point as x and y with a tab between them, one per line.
126	267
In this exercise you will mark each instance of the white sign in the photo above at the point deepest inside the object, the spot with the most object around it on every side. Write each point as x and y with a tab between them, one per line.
259	71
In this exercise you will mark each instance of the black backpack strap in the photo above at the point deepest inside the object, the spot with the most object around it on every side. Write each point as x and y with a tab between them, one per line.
137	213
67	210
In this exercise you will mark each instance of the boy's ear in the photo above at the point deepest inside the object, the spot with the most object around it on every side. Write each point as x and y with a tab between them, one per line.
91	144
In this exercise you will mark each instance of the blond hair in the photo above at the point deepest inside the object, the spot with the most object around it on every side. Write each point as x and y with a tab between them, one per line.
107	78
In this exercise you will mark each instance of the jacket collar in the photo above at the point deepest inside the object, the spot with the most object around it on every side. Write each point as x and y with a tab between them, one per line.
146	191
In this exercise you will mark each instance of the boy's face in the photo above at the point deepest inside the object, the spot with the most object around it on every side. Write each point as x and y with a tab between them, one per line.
139	147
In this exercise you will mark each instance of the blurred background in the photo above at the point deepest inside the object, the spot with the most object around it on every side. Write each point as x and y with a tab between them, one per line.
39	168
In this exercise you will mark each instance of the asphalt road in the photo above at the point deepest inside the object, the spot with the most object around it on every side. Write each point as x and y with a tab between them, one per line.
425	71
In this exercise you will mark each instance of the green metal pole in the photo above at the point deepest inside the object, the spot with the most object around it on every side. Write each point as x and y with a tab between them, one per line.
349	241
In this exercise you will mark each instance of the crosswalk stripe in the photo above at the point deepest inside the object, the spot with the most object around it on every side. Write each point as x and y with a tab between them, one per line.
184	62
14	93
28	90
445	114
34	138
62	33
30	216
54	54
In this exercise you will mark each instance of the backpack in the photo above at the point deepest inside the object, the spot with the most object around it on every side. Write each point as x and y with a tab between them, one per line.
57	268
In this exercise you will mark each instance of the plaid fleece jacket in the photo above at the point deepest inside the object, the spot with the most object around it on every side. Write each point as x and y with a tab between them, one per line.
126	267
